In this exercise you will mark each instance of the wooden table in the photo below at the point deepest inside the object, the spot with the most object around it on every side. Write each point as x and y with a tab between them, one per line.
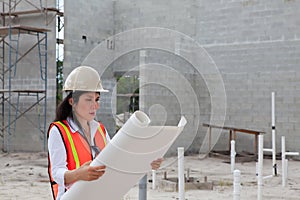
232	134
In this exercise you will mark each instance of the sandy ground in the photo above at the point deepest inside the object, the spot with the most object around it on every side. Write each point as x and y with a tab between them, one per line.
24	176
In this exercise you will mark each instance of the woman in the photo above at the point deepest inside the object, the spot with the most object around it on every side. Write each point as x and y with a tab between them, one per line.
75	138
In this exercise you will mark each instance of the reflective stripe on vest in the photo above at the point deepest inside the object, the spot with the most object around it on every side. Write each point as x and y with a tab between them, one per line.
102	134
75	155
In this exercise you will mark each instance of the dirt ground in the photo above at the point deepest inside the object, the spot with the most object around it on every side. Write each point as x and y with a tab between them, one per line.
24	176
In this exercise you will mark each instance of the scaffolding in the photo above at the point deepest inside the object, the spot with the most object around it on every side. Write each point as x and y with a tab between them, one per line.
12	107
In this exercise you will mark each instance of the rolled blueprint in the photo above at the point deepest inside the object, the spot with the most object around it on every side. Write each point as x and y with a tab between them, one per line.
127	158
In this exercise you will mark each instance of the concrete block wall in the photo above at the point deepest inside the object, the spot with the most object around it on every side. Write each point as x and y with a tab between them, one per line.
171	82
169	99
254	44
257	53
91	19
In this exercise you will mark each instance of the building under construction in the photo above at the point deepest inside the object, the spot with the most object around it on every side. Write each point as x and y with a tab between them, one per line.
231	54
215	62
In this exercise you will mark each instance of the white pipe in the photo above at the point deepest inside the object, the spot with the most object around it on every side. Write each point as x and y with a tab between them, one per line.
284	172
286	166
283	160
180	173
260	166
236	184
274	153
274	170
273	109
292	153
188	175
153	179
256	170
266	177
232	155
268	150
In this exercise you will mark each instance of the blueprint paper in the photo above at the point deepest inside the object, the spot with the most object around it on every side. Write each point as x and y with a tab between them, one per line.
127	158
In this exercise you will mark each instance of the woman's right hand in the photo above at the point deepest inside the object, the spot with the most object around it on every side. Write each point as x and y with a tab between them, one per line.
90	173
84	173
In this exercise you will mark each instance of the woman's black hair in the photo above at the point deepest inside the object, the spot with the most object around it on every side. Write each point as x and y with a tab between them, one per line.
64	109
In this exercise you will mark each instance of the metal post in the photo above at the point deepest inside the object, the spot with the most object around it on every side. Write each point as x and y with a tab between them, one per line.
153	179
143	188
9	81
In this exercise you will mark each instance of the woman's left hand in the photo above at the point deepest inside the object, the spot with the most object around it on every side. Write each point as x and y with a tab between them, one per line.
155	164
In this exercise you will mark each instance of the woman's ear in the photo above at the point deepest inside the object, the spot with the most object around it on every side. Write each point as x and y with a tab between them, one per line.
71	101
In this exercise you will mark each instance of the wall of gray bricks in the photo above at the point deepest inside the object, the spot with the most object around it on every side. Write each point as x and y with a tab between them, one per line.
254	44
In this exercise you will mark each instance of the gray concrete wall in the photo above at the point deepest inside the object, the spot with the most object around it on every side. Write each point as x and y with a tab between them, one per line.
92	19
254	44
256	47
95	21
25	133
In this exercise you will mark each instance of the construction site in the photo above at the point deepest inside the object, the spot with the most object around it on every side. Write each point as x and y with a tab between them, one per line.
231	68
238	72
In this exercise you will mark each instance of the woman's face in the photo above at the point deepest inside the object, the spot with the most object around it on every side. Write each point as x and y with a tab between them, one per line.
87	106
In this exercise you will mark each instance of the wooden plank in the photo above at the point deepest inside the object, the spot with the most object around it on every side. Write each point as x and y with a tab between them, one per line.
4	31
233	134
27	12
249	131
29	91
22	91
3	90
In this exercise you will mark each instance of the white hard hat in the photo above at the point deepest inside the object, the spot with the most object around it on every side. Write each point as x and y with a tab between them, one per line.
84	78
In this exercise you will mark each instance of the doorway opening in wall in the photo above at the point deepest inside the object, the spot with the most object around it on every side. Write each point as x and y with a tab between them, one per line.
127	96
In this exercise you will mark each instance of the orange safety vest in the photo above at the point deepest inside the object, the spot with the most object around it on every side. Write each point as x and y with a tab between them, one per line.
77	148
